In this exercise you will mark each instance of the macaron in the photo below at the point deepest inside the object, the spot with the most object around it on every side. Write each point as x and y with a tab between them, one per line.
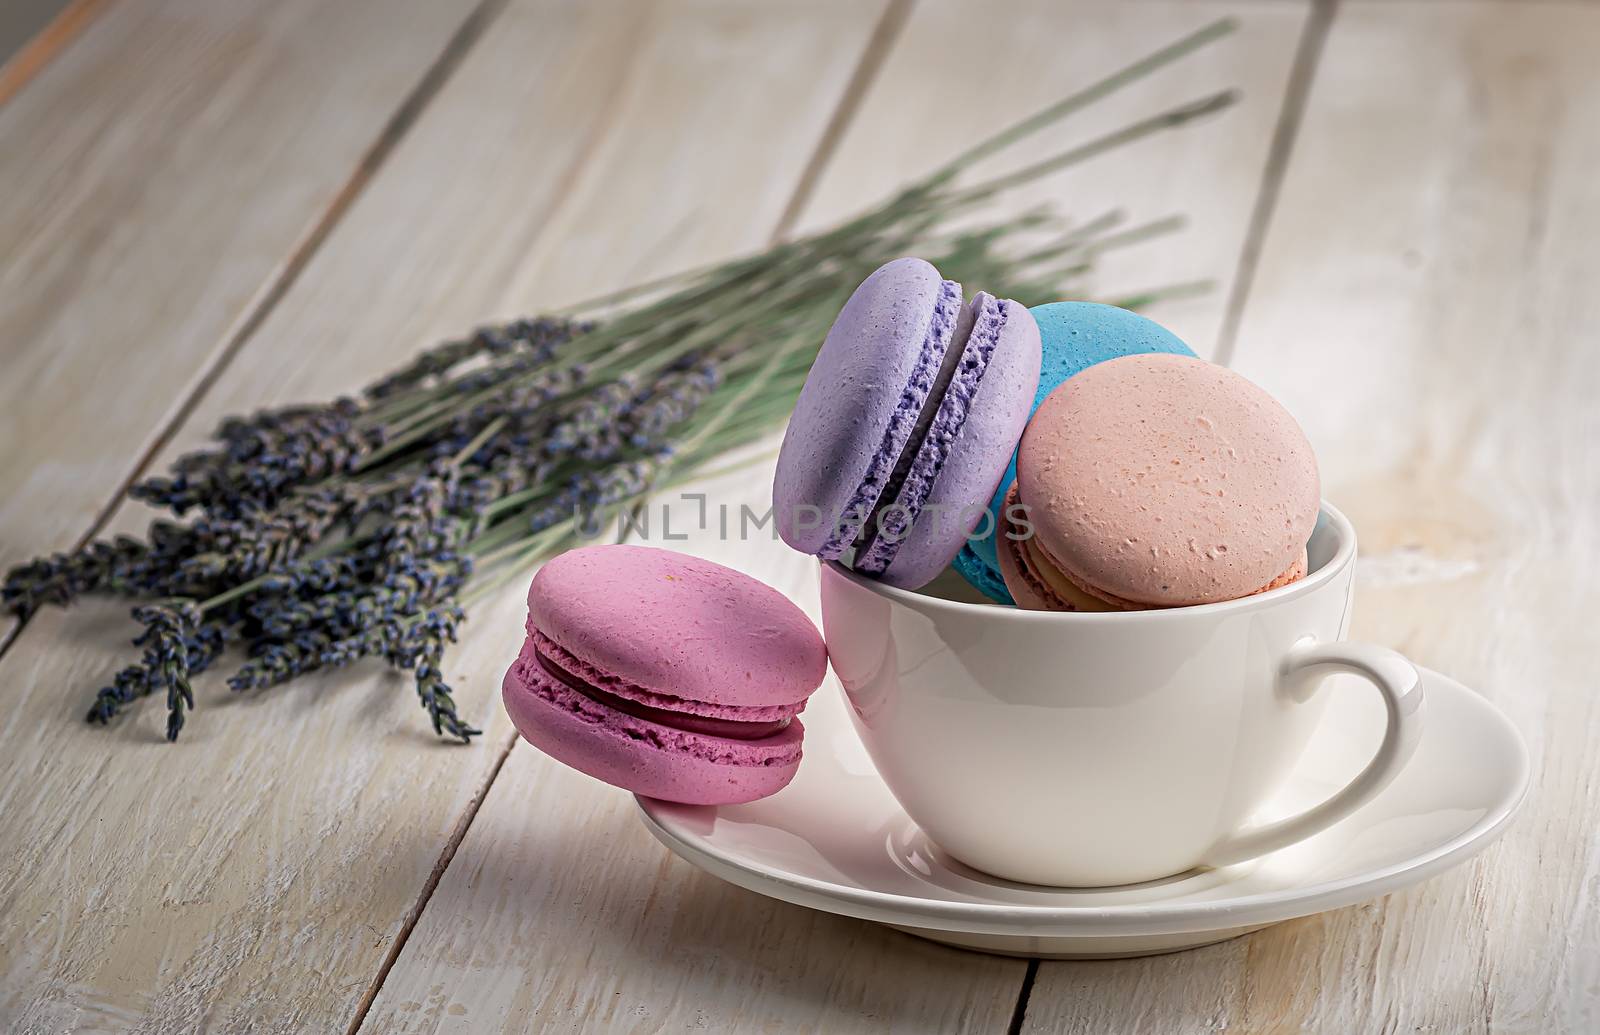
1158	481
905	424
1073	336
664	674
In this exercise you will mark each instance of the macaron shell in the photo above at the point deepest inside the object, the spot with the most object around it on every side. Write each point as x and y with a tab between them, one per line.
1166	480
641	756
1035	593
977	426
1073	336
859	403
678	626
1294	573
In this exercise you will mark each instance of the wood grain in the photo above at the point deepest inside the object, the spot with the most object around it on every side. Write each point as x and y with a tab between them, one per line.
255	875
560	913
157	174
31	34
930	103
1426	308
1424	304
510	939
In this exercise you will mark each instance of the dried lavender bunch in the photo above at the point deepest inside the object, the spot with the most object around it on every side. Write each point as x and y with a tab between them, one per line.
360	529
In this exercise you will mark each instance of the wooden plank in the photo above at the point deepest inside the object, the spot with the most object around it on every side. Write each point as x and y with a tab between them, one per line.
560	913
158	174
931	103
551	855
33	32
1426	309
256	874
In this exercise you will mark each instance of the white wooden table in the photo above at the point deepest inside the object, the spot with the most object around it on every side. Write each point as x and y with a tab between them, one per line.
211	205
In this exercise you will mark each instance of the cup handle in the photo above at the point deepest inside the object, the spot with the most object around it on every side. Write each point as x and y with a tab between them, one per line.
1401	686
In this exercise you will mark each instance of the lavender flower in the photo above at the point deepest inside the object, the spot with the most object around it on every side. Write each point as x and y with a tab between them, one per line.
326	533
537	341
263	458
62	577
176	646
237	550
337	628
423	651
668	403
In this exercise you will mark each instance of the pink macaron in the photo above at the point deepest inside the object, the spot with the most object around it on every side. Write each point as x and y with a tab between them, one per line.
664	674
1158	481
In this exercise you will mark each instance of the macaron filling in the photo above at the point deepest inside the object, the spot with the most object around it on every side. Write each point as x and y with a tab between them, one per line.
542	706
902	423
677	720
973	342
1048	582
1042	585
720	720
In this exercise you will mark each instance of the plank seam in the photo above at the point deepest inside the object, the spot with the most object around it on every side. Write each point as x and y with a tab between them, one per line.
283	278
568	186
1308	55
458	834
884	36
47	45
1019	1014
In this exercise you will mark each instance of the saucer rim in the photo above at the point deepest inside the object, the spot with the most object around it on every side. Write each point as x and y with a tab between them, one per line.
1146	918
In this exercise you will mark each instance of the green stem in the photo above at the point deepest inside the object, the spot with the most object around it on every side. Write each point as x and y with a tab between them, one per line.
1167	293
527	546
1088	95
490	431
1169	119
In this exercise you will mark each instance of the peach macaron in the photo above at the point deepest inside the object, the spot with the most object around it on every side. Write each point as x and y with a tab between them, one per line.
1157	481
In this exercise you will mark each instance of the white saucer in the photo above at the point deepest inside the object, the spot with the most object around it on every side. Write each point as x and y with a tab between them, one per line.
835	840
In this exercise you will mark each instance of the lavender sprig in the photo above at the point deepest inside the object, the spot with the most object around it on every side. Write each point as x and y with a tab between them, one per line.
321	535
61	578
423	651
176	646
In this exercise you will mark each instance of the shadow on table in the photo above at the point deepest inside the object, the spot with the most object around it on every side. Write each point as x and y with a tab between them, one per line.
564	908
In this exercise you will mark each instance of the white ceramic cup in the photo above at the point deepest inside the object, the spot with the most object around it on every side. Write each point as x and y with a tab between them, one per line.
1087	749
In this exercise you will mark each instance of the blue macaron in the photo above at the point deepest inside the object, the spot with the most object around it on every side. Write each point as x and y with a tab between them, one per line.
1073	337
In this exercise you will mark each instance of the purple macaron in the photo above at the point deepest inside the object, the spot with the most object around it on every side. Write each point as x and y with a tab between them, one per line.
906	423
664	674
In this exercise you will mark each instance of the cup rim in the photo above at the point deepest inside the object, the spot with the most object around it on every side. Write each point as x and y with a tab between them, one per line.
1341	559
